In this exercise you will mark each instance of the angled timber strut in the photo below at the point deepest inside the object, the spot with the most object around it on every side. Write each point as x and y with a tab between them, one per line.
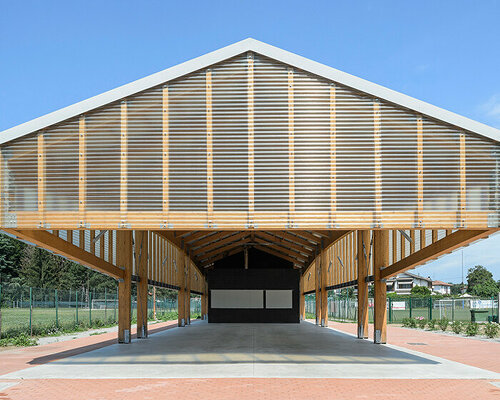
250	157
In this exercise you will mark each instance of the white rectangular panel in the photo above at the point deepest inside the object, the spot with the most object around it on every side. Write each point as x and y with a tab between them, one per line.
239	298
279	299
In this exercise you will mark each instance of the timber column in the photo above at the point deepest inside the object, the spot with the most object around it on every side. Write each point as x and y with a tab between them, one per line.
324	292
141	254
181	282
363	264
124	261
380	261
302	302
317	286
188	289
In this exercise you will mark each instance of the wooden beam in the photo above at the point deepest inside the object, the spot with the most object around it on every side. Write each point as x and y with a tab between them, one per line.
380	261
82	171
302	305
333	157
266	249
293	238
363	250
251	129
124	261
443	246
291	151
41	179
226	247
285	243
210	156
420	171
377	142
64	248
219	243
222	255
141	261
277	247
165	156
123	165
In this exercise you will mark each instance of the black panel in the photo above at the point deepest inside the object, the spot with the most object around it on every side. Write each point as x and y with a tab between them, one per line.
266	279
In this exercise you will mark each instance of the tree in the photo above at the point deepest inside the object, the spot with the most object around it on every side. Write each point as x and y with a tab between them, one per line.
420	291
456	289
480	282
11	251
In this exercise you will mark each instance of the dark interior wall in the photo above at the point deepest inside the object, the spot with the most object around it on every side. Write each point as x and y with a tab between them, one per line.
264	279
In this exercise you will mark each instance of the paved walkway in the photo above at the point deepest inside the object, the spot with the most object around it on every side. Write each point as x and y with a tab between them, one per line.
274	350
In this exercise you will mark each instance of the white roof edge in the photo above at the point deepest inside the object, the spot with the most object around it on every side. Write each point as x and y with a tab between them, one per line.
232	50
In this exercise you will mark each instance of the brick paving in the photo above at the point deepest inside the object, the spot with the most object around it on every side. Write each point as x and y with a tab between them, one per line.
467	351
251	388
476	353
20	358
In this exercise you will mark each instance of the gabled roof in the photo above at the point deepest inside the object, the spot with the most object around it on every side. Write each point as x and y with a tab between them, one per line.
234	50
415	276
440	283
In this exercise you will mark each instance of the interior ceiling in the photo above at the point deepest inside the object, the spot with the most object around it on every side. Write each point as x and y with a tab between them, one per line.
297	247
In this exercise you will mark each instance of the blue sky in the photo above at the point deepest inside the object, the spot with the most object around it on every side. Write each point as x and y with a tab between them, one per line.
55	53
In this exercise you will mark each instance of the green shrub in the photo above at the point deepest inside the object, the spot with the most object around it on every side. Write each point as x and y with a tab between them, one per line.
491	329
422	322
471	329
443	324
406	322
431	324
457	327
22	340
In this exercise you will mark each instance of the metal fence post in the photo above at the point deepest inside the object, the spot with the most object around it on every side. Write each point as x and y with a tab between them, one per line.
0	311
411	310
76	302
453	309
105	306
56	300
430	308
90	308
31	311
390	309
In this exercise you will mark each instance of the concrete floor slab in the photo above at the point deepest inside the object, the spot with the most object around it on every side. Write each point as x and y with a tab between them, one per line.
204	350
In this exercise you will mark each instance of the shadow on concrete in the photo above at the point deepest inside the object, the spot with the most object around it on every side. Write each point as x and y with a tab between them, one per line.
202	343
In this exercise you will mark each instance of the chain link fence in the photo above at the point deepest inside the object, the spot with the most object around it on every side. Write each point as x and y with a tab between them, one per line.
41	311
460	309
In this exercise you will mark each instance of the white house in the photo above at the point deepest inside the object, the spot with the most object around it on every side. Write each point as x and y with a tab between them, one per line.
402	283
441	287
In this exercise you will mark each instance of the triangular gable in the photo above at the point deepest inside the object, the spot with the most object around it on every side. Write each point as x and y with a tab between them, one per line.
234	50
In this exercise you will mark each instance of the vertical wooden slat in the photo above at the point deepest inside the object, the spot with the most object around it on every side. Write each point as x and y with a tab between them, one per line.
110	247
251	133
81	238
422	238
181	282
394	234
377	139
291	151
412	244
103	246
317	287
420	171
82	171
402	245
188	289
123	164
333	157
92	243
463	181
434	235
165	157
41	180
210	157
69	236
